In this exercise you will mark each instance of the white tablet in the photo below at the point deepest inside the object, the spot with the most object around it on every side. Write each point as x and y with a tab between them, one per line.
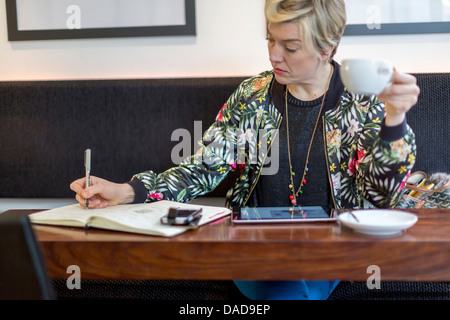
280	214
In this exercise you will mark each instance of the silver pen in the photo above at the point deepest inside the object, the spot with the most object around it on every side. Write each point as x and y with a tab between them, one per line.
87	166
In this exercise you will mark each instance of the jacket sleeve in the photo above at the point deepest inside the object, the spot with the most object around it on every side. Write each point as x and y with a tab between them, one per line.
384	157
203	171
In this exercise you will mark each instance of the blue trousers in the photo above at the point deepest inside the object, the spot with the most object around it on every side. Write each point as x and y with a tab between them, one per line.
286	290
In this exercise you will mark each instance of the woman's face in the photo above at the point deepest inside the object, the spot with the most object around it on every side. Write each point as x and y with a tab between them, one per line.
292	62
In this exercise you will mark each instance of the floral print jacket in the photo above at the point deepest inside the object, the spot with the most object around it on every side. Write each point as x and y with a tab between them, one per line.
368	163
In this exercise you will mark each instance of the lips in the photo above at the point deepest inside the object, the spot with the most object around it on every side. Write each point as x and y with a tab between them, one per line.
279	71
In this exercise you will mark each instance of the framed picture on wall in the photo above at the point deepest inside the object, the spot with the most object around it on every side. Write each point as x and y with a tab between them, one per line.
376	17
75	19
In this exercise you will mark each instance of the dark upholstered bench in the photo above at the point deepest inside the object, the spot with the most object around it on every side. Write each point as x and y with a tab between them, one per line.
47	125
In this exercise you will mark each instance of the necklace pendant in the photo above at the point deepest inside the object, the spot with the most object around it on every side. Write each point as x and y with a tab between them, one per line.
293	200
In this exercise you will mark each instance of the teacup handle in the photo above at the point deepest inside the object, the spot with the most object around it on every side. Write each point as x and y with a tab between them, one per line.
385	68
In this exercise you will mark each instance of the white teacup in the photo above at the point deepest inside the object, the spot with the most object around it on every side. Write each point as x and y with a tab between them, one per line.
366	76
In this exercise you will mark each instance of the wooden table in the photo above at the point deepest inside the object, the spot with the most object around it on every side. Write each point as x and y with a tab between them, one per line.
315	251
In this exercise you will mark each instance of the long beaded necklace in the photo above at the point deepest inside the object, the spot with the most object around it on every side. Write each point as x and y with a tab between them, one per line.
294	195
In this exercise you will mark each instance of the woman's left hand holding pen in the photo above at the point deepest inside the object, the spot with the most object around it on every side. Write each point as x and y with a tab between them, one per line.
101	193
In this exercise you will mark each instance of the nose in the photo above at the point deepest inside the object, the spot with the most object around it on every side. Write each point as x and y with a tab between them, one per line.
275	54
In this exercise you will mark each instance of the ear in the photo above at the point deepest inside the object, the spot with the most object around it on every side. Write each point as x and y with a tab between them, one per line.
326	54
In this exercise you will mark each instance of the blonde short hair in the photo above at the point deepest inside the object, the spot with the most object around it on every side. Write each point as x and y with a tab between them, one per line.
322	22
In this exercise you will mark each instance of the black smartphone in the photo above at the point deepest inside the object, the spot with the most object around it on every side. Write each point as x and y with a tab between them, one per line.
181	217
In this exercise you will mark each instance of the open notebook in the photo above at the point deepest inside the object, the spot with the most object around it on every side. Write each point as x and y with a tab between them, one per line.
137	218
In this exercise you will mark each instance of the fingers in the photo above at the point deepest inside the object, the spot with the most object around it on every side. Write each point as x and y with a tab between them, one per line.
78	185
102	193
81	200
399	97
94	189
400	77
83	193
402	94
403	85
94	202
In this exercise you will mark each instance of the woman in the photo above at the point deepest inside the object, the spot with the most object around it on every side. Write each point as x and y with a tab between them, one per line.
357	150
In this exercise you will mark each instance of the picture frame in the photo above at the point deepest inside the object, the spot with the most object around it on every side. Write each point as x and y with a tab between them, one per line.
383	17
35	19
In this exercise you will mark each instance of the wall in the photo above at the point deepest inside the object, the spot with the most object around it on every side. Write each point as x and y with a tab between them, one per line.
230	41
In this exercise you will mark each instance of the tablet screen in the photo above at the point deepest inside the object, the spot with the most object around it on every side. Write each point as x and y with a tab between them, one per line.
280	214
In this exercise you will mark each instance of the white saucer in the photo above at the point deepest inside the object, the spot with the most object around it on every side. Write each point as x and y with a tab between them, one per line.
378	222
